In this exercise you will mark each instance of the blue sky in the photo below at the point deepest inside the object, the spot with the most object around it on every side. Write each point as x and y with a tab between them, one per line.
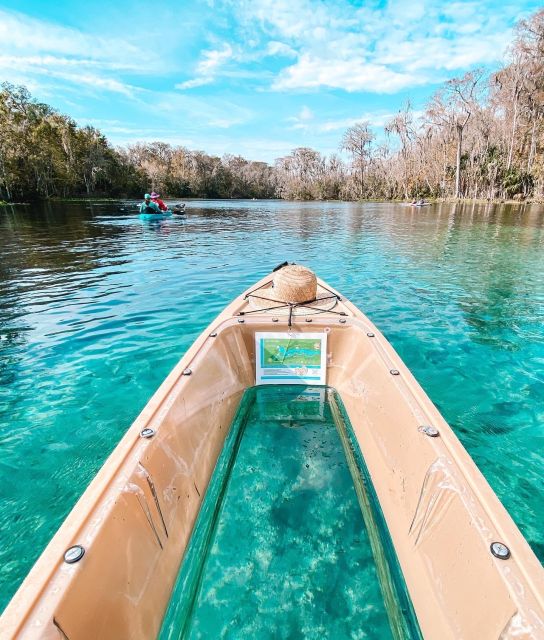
250	77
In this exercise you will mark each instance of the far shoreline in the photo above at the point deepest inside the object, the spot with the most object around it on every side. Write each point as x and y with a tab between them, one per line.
430	201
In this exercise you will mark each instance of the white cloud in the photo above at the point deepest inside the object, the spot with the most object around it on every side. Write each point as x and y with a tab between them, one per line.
46	61
32	37
378	119
377	49
191	112
208	67
195	82
225	123
302	119
306	114
310	124
275	48
77	73
436	53
41	52
312	72
98	82
213	59
296	21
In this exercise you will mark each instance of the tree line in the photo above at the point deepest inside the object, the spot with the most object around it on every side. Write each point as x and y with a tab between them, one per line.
479	136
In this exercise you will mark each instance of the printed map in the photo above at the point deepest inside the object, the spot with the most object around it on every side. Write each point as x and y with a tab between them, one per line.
291	352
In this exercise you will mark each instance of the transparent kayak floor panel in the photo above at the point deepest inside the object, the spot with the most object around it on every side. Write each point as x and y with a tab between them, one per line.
280	548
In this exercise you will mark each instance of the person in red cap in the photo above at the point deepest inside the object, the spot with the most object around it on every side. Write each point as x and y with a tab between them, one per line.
157	199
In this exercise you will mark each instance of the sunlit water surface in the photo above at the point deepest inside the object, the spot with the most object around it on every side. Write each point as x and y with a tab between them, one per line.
97	306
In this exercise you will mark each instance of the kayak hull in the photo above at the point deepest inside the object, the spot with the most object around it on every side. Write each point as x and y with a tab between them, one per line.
155	216
136	517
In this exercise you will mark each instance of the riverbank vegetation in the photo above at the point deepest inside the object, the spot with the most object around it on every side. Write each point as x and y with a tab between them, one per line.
479	136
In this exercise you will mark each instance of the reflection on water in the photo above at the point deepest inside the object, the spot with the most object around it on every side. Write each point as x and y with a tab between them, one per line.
96	306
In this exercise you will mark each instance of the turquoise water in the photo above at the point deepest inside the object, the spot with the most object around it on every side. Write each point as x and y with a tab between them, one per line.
97	306
280	549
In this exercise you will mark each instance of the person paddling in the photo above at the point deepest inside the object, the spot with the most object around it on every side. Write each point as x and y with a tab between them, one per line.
148	206
157	200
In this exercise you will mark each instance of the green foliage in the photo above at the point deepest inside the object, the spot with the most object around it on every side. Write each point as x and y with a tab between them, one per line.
178	172
517	183
45	154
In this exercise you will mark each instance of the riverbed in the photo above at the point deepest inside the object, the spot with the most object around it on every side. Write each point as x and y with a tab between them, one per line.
96	306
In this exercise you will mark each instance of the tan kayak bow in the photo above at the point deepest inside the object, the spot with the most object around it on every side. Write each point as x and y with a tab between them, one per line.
109	570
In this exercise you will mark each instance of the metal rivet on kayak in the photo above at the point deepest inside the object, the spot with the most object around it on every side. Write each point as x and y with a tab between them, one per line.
342	321
241	320
394	372
274	319
213	335
308	319
74	554
147	433
187	372
500	550
370	334
429	431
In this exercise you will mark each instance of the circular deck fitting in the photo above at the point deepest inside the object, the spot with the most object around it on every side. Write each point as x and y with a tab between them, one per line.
187	372
213	335
342	321
370	334
241	320
74	554
394	372
429	430
500	550
308	320
147	433
274	319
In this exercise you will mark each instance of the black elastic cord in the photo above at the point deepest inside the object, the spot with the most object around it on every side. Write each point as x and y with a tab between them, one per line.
317	310
294	305
249	293
245	313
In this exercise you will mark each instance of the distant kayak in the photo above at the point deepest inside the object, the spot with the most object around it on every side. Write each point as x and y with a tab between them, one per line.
177	210
155	216
421	204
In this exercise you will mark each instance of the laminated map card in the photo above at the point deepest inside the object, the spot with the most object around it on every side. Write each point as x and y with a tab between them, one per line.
296	358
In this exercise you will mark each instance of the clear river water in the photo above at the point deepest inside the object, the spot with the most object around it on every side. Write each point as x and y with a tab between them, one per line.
96	306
